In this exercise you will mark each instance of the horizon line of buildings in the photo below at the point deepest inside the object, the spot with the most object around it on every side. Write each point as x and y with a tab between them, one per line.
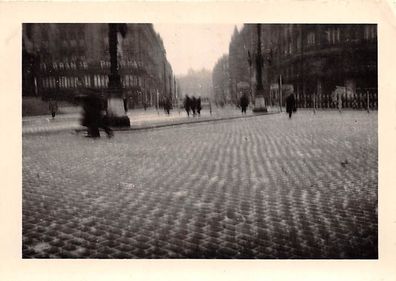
60	60
310	60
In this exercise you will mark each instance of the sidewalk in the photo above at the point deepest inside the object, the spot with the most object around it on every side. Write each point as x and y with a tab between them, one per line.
139	118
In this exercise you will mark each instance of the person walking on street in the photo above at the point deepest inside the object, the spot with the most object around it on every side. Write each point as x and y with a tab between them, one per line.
91	115
125	102
199	107
187	105
290	105
339	102
193	105
94	117
244	102
104	122
53	107
167	105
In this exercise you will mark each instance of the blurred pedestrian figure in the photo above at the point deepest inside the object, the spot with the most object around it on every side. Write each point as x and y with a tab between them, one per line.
167	105
104	103
193	105
125	101
199	107
187	104
339	102
104	120
244	102
210	107
94	116
53	107
91	115
290	105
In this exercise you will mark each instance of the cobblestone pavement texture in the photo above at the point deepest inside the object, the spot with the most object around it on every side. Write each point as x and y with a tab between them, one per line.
259	187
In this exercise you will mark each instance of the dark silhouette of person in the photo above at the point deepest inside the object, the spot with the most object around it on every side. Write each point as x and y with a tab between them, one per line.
193	105
199	107
125	102
187	104
167	105
94	116
244	102
53	107
290	104
104	103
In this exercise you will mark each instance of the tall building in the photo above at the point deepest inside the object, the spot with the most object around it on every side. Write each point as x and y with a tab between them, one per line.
57	56
221	81
312	60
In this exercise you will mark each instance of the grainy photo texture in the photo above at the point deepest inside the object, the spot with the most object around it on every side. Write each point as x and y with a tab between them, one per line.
200	141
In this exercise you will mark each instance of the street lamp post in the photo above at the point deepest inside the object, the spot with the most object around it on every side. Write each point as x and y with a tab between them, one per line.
250	76
259	101
114	77
114	85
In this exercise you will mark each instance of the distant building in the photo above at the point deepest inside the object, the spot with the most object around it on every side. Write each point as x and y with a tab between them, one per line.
196	83
55	56
221	81
311	59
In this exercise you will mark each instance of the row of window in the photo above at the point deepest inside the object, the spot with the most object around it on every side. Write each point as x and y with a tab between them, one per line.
64	82
99	81
123	63
73	43
64	65
131	80
333	36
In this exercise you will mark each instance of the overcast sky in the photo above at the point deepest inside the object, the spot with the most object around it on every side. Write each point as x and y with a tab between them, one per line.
195	46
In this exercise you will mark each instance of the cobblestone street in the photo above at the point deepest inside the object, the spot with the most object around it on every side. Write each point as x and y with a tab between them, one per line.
258	187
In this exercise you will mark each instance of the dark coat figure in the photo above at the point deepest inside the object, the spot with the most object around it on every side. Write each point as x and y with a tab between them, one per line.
104	103
187	104
53	107
199	107
167	105
244	102
193	105
94	116
290	105
125	102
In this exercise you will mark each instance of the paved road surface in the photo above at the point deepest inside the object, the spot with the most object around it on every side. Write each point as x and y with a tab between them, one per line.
138	117
258	187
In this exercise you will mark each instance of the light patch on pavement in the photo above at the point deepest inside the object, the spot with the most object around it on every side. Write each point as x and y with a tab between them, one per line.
41	247
201	205
127	185
180	194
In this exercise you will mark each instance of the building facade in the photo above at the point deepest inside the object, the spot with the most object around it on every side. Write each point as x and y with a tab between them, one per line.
314	61
196	83
61	60
221	81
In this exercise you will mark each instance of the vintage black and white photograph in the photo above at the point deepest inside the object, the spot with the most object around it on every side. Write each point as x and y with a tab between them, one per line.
199	141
